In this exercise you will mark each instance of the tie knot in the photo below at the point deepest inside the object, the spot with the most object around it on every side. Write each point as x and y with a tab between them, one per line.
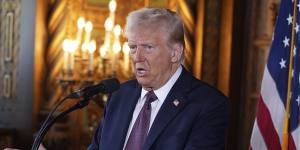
150	97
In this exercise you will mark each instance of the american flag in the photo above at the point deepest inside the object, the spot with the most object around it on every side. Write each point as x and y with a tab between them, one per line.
280	80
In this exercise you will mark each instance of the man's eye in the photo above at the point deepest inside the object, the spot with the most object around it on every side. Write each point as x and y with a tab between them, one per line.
132	48
148	48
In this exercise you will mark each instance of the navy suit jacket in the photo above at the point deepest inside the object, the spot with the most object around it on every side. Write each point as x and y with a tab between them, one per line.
199	121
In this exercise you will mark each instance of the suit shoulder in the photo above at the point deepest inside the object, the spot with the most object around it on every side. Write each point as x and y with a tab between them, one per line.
208	97
129	84
203	89
126	87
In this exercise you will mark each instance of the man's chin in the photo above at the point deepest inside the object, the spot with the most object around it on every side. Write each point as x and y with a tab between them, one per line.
143	82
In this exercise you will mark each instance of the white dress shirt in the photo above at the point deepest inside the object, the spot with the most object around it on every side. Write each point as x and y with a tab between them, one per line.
161	94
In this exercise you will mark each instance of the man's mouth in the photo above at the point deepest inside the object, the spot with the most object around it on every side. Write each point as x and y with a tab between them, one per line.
140	72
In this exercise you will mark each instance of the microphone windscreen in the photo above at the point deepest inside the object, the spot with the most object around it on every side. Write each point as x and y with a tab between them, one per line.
111	85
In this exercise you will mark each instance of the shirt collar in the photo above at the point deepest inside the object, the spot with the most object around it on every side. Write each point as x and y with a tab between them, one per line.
162	92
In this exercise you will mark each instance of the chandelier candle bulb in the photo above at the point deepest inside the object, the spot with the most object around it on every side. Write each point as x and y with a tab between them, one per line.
80	26
116	50
108	24
103	52
112	8
108	28
117	31
92	48
126	50
88	30
116	46
72	46
112	5
66	55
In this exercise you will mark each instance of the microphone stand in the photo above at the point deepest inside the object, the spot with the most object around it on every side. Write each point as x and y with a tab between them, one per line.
46	126
47	120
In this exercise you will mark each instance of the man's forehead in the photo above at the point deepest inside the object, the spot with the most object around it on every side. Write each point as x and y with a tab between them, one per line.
141	28
143	37
140	42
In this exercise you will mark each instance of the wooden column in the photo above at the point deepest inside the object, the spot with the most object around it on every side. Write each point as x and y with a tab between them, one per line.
39	63
225	46
197	66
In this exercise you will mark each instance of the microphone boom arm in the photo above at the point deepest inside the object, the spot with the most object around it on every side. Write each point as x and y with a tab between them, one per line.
106	86
48	125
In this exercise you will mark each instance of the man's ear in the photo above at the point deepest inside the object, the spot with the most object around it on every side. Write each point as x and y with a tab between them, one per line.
176	52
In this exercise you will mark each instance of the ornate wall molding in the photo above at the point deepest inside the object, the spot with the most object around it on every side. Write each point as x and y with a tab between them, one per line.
9	49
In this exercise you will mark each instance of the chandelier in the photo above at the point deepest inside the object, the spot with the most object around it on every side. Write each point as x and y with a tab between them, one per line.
87	60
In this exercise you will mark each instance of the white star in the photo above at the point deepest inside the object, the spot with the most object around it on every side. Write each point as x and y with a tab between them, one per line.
298	5
298	100
289	19
295	50
282	64
292	72
286	41
297	28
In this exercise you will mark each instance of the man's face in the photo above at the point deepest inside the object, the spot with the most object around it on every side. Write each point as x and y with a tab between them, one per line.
152	57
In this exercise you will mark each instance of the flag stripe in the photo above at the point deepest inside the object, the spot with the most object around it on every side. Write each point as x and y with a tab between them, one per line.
296	137
257	141
273	102
266	127
291	143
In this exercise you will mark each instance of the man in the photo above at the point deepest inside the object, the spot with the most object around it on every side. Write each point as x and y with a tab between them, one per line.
181	113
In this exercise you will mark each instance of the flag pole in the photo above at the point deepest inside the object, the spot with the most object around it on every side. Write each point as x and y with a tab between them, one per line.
285	134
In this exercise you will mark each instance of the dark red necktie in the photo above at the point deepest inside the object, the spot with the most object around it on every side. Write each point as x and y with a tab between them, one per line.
140	128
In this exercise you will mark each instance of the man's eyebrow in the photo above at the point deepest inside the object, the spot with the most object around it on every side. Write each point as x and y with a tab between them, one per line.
146	44
142	44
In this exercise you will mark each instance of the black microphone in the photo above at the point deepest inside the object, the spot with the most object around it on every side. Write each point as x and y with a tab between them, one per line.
105	86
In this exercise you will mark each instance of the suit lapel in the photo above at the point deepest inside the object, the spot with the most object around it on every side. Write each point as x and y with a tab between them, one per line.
174	103
125	116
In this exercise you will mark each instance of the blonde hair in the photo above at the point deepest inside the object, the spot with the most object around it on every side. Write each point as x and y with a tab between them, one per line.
164	18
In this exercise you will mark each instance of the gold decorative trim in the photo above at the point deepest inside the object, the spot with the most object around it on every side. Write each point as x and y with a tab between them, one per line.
8	38
7	86
9	47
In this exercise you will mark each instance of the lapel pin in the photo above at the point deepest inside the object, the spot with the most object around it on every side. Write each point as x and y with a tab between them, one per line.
176	102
